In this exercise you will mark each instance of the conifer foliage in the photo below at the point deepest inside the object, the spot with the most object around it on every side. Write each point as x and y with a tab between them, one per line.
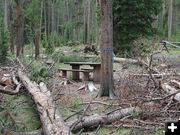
133	19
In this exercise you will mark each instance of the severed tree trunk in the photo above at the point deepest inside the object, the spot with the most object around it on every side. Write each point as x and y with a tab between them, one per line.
107	83
51	119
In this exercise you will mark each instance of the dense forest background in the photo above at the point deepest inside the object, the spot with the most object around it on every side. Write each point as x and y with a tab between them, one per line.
52	23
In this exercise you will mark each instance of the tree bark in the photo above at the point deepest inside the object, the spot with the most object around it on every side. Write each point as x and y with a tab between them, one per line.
20	28
107	83
36	30
6	13
170	18
51	119
95	120
12	30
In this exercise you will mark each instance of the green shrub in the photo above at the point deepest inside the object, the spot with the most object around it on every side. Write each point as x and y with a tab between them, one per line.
58	40
72	43
61	57
141	47
40	72
47	44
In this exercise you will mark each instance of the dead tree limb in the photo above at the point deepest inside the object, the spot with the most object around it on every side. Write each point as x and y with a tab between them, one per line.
176	83
169	89
102	119
46	108
4	90
10	92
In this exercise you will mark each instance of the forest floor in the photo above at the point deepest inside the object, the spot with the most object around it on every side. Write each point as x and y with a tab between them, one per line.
18	113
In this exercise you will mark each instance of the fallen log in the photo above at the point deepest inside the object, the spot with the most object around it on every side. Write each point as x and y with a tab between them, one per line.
170	90
51	119
101	119
157	75
126	60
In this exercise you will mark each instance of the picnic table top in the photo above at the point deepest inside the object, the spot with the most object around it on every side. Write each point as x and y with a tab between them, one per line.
83	63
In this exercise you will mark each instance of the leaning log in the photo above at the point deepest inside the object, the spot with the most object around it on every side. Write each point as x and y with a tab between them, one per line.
51	119
95	120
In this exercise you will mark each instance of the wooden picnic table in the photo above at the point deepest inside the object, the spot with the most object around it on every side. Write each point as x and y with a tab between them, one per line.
96	69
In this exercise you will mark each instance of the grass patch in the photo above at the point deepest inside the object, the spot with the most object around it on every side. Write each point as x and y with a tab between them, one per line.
18	113
68	106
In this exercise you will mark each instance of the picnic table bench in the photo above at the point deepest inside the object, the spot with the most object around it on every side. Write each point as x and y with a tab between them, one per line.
76	66
85	73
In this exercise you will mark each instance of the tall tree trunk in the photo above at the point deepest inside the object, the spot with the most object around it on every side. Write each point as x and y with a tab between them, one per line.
36	43
170	18
6	13
41	20
52	18
20	28
49	17
88	21
85	23
45	19
107	83
8	22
